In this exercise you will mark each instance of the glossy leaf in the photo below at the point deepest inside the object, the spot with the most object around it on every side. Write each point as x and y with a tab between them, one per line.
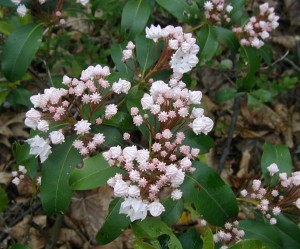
135	16
152	228
142	245
228	38
5	28
190	239
208	241
261	231
278	154
94	173
145	52
212	197
114	223
120	120
56	192
173	211
249	244
19	50
207	40
202	142
237	15
3	199
289	232
21	154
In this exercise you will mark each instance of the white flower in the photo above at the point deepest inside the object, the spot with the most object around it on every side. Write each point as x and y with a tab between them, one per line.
158	87
122	86
298	203
43	125
31	123
121	188
16	181
208	6
244	193
156	208
57	137
42	1
264	34
39	147
22	169
110	110
21	10
147	101
99	138
264	7
36	100
83	2
229	8
130	45
296	178
171	170
178	179
134	175
273	169
176	194
195	97
130	153
82	127
202	125
33	114
185	163
16	2
134	191
142	155
138	120
197	112
115	152
173	44
153	32
136	209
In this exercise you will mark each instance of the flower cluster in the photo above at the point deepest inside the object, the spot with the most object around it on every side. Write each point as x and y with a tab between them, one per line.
18	175
166	113
180	49
284	197
217	11
230	234
78	106
258	28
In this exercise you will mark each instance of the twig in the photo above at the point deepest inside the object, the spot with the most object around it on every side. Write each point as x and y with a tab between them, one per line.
55	232
292	64
236	110
40	230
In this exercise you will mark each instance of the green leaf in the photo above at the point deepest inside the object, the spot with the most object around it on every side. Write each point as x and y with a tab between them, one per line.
142	245
208	241
56	192
212	197
145	52
152	228
207	40
3	199
263	95
225	94
94	173
173	211
135	16
116	55
120	120
289	232
251	58
19	50
114	223
177	8
249	244
259	231
228	38
237	15
19	246
21	154
190	239
265	52
278	154
202	142
5	28
20	96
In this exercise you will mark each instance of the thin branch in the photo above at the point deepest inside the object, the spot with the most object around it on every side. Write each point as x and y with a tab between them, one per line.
55	231
226	150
